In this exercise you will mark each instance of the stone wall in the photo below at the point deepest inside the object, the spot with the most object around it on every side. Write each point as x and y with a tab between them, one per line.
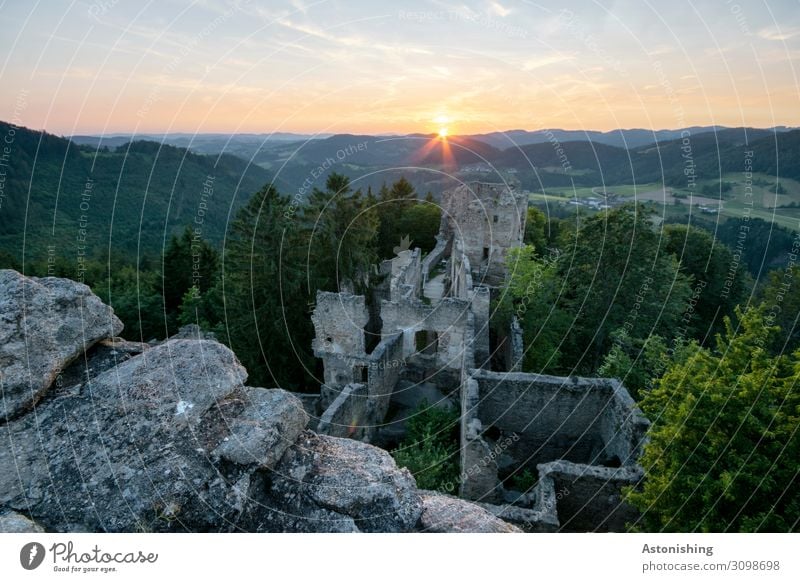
440	251
349	414
590	498
489	219
448	319
406	275
555	418
339	320
385	366
481	309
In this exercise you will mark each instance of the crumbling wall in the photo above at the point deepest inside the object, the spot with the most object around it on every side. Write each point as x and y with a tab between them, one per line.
481	309
440	251
349	414
406	275
623	426
385	366
339	320
460	272
516	346
590	498
489	219
554	417
448	319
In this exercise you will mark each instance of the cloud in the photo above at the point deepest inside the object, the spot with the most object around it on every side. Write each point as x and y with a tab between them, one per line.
499	9
545	61
775	33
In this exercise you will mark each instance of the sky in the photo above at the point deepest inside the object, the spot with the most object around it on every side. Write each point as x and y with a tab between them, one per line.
368	66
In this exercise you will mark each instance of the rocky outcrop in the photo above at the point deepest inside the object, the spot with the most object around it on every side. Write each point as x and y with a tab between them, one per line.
445	514
13	522
44	325
333	484
168	437
129	450
261	433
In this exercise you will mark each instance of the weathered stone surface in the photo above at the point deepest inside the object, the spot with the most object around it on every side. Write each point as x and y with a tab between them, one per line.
129	450
262	432
192	331
103	356
45	323
348	481
445	514
13	522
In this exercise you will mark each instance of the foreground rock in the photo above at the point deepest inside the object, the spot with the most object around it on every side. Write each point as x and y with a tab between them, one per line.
13	522
129	450
444	514
44	325
331	484
134	437
261	433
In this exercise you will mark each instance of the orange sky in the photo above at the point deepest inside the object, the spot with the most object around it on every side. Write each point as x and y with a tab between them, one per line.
369	67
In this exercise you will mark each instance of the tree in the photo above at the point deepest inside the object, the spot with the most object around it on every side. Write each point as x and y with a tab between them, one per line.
265	294
536	229
715	290
393	204
780	296
420	223
136	298
639	363
430	448
723	449
616	276
339	236
531	294
189	261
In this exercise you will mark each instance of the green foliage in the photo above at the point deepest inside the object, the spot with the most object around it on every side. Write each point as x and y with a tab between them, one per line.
135	296
617	276
780	296
638	363
717	189
123	200
723	448
189	261
715	290
420	223
612	274
339	236
523	481
531	294
403	216
536	229
430	448
265	294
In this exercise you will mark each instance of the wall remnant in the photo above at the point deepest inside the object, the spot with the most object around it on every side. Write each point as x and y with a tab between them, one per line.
581	437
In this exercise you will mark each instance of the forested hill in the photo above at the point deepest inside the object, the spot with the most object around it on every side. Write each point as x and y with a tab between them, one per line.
60	198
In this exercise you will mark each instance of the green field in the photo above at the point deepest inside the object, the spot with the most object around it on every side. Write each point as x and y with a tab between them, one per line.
783	209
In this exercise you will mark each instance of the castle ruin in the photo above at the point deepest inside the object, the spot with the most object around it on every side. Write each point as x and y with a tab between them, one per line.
581	437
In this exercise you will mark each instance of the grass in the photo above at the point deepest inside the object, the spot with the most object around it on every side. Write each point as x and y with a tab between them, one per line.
735	204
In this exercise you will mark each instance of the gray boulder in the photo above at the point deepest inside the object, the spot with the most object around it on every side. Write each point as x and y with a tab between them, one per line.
45	323
261	433
325	483
13	522
445	514
130	449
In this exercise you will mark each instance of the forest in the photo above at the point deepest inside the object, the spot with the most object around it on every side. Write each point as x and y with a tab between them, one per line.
698	320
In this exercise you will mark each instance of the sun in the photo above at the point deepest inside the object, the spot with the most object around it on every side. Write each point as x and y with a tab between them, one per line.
443	132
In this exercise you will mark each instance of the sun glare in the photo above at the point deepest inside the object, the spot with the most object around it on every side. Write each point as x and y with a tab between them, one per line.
442	132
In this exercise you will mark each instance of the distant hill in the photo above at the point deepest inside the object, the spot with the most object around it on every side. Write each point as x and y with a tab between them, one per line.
623	138
77	199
